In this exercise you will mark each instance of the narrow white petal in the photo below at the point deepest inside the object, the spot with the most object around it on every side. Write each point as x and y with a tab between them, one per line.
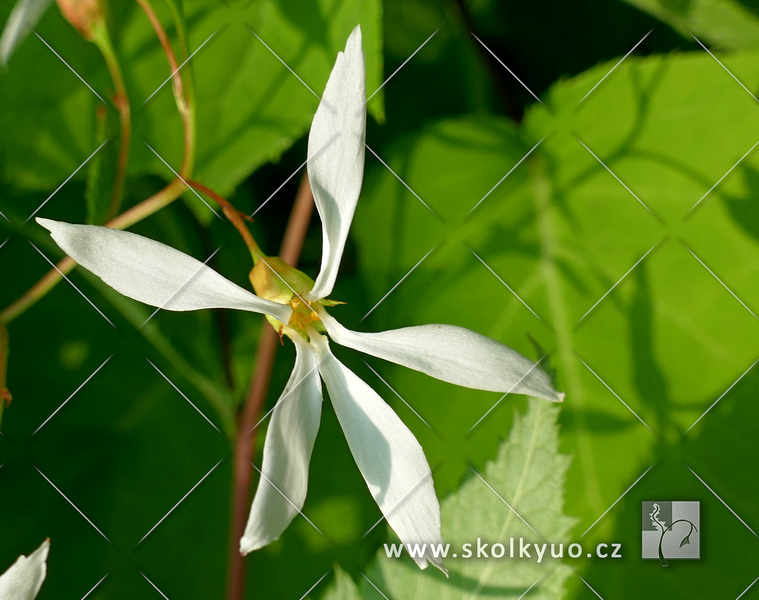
154	273
287	452
22	20
24	579
336	157
390	459
453	354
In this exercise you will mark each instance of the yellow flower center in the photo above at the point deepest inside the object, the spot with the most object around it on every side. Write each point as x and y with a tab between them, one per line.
277	281
304	315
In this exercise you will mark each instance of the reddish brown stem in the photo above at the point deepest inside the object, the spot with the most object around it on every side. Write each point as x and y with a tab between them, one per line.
164	39
235	217
297	226
5	395
245	445
183	100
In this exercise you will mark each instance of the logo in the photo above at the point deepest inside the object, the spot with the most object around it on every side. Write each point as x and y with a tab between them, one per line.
671	530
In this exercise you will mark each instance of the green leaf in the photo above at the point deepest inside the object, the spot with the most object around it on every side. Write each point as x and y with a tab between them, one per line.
252	111
250	108
342	587
529	473
727	24
565	236
46	114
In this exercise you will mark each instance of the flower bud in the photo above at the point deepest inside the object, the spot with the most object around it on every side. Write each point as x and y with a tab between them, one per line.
273	279
86	15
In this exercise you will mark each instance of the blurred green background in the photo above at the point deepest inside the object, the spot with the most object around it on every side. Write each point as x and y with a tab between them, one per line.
562	230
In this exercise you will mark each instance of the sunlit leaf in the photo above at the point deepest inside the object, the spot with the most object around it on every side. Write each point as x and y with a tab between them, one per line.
728	24
529	474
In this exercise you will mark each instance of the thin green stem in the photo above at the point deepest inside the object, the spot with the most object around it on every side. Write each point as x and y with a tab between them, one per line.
188	86
102	40
179	23
183	96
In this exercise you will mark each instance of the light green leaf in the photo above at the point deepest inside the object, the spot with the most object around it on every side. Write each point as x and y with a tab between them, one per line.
727	24
252	111
342	587
562	233
529	473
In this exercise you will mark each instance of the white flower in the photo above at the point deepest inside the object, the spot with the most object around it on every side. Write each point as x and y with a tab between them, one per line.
387	453
24	579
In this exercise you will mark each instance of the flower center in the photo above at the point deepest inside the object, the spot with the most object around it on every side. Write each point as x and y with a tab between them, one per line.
304	315
275	280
